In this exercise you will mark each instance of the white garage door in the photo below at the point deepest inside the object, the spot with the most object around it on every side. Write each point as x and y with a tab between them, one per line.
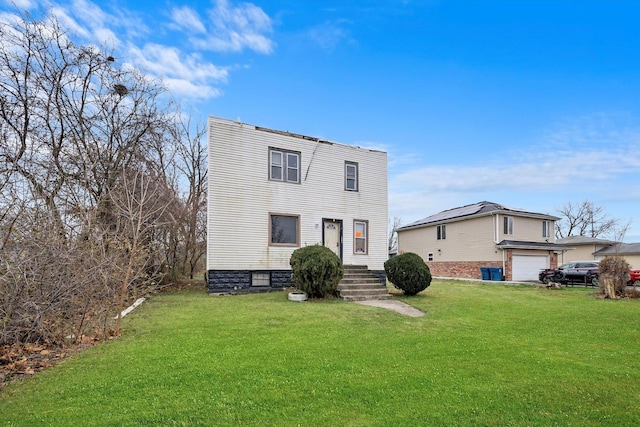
527	267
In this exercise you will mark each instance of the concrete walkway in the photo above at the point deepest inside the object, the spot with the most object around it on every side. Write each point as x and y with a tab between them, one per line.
397	306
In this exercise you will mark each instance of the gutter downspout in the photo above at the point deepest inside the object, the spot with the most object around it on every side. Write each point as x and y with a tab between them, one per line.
496	232
504	266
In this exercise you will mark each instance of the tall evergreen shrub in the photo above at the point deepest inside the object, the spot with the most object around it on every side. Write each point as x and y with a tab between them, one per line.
317	270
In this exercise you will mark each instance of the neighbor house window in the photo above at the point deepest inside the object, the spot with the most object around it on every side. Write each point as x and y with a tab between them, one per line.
546	228
430	256
351	176
508	225
284	165
260	279
360	237
442	232
284	230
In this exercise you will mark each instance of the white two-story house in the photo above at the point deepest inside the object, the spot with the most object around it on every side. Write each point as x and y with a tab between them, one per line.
459	242
271	192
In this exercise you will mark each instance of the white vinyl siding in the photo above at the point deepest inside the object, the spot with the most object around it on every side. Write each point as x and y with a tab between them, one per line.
242	197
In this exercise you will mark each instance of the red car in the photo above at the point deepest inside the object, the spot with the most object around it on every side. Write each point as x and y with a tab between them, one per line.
634	275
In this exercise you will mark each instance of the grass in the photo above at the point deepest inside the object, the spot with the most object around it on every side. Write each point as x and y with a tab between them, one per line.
484	355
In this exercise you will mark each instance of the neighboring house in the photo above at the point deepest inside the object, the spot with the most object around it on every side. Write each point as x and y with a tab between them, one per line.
271	192
582	248
459	241
629	251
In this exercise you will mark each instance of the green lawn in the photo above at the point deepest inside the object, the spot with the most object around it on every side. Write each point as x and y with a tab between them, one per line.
485	354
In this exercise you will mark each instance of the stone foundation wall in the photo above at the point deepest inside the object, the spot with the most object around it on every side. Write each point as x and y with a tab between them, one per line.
240	280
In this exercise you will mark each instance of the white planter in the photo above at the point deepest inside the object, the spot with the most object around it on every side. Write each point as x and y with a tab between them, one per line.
297	296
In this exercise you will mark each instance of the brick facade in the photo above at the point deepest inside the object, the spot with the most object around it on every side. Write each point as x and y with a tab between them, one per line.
471	269
461	269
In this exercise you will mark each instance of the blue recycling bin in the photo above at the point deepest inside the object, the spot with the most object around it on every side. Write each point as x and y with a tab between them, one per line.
495	273
486	275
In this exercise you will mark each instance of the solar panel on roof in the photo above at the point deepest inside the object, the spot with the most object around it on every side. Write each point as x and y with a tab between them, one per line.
476	208
449	214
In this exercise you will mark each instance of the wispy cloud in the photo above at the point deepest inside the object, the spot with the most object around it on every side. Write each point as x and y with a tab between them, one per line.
88	21
227	28
232	28
535	174
330	34
186	19
23	4
570	162
187	75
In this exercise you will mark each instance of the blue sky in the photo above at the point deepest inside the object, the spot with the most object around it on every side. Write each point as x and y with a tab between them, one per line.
531	104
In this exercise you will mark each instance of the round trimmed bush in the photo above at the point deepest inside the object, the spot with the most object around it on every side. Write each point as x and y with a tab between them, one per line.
408	272
317	270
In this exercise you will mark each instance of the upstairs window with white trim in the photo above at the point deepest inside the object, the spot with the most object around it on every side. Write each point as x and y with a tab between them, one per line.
350	176
284	165
360	237
546	228
442	232
508	225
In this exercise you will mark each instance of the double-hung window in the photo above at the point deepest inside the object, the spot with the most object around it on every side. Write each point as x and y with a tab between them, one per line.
360	237
350	176
284	165
508	225
442	232
546	228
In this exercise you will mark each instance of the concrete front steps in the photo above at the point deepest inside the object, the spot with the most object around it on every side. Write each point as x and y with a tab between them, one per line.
359	284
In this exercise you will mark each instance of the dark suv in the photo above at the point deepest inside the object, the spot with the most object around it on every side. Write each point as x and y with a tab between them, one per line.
577	272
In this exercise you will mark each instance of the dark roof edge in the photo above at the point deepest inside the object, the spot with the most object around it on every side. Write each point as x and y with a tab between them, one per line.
419	223
516	244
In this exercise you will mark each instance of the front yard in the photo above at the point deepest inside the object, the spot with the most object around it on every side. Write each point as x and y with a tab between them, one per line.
484	354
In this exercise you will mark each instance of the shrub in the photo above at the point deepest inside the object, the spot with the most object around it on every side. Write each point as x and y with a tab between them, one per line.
632	293
317	270
408	272
614	275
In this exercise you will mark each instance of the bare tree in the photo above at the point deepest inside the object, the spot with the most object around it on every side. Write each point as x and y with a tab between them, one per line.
191	161
393	233
139	209
73	127
587	219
